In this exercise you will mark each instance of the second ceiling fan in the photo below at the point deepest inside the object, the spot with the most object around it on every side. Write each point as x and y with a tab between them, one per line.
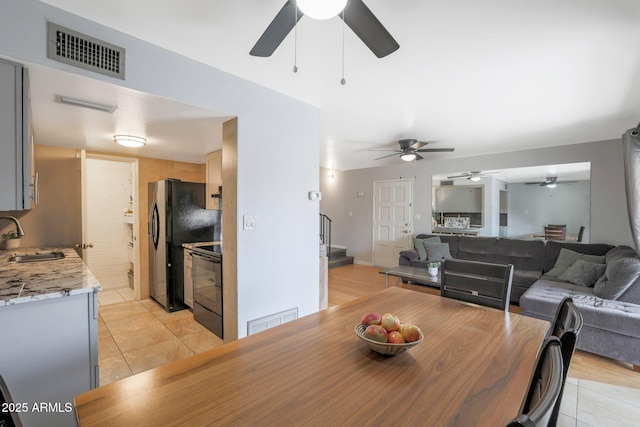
355	14
410	149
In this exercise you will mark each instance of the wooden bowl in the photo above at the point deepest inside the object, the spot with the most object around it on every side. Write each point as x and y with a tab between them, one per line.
386	349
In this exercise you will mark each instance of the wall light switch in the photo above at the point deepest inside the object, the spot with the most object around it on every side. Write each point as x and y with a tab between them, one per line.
248	222
315	195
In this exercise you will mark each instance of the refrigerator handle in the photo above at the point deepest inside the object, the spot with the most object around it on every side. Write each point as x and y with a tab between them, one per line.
154	226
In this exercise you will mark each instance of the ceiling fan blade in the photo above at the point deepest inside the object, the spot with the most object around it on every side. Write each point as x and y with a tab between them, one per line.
535	183
367	27
277	30
384	157
385	149
417	145
435	150
418	157
459	176
566	182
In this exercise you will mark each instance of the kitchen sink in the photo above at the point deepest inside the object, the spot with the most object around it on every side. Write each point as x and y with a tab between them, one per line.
47	256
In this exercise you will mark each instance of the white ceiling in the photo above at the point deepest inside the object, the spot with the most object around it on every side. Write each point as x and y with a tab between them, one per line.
482	77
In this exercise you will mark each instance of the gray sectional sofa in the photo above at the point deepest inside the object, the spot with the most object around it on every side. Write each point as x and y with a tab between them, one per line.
546	272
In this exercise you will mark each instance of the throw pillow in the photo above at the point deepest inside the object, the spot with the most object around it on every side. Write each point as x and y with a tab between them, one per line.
419	245
583	273
620	274
437	251
566	258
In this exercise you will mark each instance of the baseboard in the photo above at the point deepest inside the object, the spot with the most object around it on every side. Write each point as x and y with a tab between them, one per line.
370	264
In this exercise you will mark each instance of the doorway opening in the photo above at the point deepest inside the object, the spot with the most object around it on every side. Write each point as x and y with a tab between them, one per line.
110	225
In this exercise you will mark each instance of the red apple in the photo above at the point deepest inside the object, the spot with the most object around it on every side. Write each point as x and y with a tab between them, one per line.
396	337
410	332
371	319
376	333
390	322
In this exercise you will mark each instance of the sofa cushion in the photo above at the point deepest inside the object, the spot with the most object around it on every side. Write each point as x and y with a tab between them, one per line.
437	251
542	300
552	251
621	275
418	244
583	273
452	240
482	249
523	254
567	258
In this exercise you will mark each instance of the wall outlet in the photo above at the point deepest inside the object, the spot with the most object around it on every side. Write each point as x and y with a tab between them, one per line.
248	222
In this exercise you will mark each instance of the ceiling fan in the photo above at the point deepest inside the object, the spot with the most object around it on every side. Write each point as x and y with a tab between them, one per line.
409	149
550	182
472	175
355	14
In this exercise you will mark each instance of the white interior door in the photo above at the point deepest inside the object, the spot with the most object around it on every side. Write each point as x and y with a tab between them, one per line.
392	220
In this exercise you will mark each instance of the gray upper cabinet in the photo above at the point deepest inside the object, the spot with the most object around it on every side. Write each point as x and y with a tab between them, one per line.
16	148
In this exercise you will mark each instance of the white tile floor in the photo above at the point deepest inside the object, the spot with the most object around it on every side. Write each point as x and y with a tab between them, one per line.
113	296
593	404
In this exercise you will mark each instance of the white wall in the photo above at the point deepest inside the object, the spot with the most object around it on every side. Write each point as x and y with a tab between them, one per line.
270	184
608	209
109	187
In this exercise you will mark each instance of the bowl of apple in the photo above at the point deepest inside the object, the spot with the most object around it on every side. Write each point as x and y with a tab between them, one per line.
386	335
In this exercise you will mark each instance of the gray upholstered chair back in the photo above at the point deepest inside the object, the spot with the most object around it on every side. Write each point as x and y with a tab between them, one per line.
566	326
545	388
477	282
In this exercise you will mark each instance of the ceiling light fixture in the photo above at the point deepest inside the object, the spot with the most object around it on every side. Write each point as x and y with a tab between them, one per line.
88	104
475	178
130	141
321	9
551	185
408	157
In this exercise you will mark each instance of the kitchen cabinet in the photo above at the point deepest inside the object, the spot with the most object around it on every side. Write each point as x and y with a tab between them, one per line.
214	179
16	144
49	355
188	280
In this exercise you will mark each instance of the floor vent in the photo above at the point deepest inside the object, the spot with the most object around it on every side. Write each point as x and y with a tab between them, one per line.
259	325
73	48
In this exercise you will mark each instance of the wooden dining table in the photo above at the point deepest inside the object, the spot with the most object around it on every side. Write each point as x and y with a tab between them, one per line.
473	368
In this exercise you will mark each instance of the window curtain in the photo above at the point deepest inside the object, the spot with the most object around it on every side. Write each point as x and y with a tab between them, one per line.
631	150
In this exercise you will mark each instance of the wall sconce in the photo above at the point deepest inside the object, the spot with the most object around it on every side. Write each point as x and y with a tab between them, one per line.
331	176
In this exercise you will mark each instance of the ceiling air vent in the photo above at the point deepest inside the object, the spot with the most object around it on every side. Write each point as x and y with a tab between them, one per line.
80	50
446	183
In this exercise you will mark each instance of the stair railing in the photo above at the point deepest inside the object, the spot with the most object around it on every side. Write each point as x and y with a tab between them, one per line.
325	233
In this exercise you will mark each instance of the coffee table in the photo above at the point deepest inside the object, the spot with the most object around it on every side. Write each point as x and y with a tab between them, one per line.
415	274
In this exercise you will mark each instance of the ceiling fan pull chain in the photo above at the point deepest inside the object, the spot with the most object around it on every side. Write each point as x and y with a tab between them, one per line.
295	42
343	81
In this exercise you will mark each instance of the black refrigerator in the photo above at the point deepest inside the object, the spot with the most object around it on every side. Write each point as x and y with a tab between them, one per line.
177	215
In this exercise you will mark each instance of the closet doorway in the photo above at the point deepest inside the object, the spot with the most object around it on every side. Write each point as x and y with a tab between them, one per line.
110	225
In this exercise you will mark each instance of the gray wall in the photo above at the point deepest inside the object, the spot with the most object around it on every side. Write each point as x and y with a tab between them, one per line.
269	124
531	207
608	209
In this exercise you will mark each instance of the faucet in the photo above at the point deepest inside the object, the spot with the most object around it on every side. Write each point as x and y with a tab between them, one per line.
18	228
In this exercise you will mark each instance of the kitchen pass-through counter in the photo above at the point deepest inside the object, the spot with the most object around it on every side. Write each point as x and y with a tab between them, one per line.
50	340
35	281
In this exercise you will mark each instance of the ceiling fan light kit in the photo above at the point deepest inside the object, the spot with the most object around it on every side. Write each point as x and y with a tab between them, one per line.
410	149
321	9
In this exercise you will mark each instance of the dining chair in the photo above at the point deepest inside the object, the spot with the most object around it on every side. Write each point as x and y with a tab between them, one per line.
477	282
544	389
552	232
7	418
566	326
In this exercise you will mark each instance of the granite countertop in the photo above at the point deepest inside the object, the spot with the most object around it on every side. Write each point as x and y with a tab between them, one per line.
35	281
